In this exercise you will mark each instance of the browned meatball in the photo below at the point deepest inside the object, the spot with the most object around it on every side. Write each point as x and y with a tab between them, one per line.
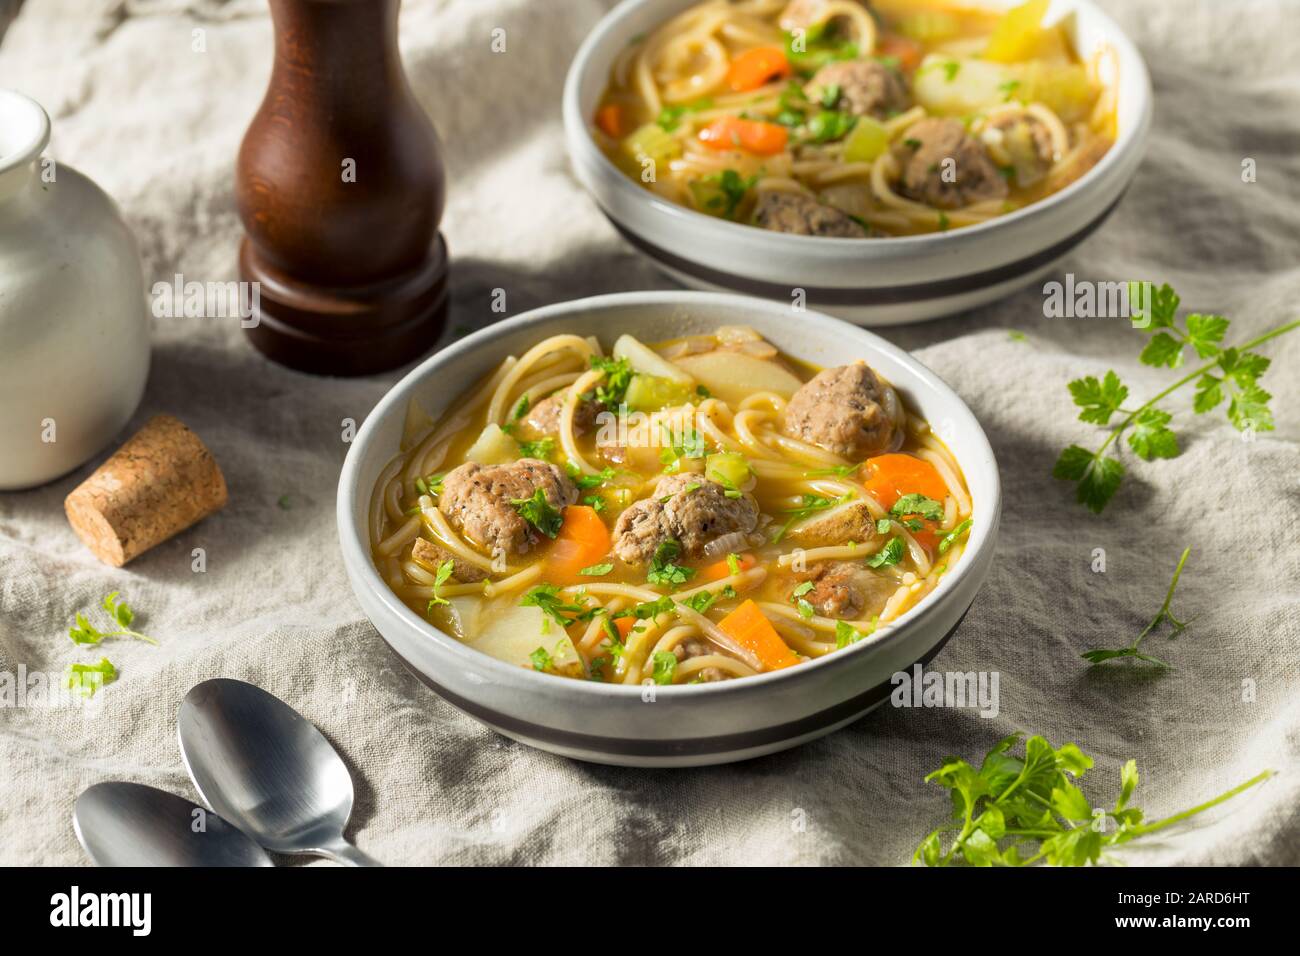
842	410
865	87
1022	145
847	590
684	508
944	167
801	216
432	555
544	418
477	501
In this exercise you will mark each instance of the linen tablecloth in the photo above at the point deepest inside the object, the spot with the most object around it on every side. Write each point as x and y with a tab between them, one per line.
157	124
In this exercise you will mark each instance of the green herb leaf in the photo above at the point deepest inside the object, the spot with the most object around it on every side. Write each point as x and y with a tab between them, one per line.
665	667
541	660
598	570
1099	399
542	449
949	539
539	512
1150	436
1098	477
86	679
662	569
914	504
1205	332
891	553
1162	350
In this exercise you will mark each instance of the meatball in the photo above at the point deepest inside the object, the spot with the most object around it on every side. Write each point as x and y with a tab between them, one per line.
693	647
684	508
843	589
843	410
432	555
1021	143
851	521
477	501
866	88
801	216
944	167
544	417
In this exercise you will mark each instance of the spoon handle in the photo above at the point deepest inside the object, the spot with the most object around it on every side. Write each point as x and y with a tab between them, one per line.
347	854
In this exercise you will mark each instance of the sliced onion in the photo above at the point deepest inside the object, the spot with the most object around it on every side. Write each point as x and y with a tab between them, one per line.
736	541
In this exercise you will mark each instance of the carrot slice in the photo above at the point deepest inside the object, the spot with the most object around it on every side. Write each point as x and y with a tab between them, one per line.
722	569
583	541
747	626
610	119
625	625
906	52
757	67
889	477
755	136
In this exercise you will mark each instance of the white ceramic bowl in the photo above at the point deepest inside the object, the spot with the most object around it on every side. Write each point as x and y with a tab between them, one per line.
677	725
871	281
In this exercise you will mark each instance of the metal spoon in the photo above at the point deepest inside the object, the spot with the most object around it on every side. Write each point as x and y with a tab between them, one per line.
266	769
130	824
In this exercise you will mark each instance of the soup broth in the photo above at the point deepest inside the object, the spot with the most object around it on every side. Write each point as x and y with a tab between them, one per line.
847	119
695	510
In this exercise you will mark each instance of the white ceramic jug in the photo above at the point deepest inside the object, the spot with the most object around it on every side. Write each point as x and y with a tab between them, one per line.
74	332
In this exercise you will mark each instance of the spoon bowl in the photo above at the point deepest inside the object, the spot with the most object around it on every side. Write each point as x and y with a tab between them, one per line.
264	767
130	824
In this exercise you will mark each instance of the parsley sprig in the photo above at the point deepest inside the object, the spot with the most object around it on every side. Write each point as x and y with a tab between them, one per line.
119	613
1014	811
1232	374
540	513
1102	655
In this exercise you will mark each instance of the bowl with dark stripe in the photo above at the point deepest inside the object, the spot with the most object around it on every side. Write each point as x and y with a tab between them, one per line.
680	725
880	281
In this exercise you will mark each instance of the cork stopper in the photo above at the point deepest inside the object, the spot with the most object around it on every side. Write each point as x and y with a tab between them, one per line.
158	484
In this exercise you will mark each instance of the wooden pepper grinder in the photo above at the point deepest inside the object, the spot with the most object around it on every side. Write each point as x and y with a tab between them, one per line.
340	187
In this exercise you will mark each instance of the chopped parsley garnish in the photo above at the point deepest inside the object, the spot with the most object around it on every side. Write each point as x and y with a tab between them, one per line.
119	614
618	375
429	485
648	610
731	190
588	481
665	667
85	679
541	449
521	409
662	569
541	660
846	634
440	577
702	602
670	117
733	563
547	597
831	95
688	444
891	553
830	125
949	539
915	504
597	570
594	502
539	512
